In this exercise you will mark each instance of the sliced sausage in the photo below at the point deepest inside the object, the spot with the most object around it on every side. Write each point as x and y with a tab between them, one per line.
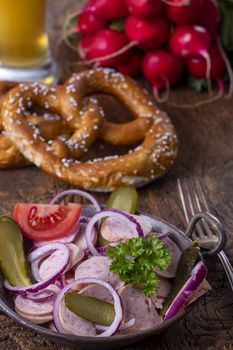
113	229
164	288
81	239
136	305
52	263
98	292
73	324
175	252
98	266
36	319
35	312
32	308
76	255
158	302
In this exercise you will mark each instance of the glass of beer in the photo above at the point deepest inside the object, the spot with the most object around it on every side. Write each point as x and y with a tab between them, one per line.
24	44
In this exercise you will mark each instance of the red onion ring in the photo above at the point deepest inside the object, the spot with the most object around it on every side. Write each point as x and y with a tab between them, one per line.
162	236
80	193
35	269
63	281
126	325
125	217
82	232
58	284
159	228
67	239
117	305
191	285
102	250
40	253
41	297
129	217
42	284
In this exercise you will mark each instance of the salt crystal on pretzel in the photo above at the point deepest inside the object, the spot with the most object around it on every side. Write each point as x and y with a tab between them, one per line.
49	127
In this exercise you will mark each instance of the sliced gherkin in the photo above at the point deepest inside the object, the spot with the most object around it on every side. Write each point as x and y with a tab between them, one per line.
186	264
91	309
12	258
124	198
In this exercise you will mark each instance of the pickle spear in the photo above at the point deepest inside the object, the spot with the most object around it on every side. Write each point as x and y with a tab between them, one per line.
122	198
91	309
12	259
186	264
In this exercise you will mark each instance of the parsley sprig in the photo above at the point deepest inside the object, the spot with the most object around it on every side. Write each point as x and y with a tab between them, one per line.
136	260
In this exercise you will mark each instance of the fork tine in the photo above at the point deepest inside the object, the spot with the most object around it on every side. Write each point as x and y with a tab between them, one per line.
191	204
186	201
202	195
182	198
210	233
196	202
196	208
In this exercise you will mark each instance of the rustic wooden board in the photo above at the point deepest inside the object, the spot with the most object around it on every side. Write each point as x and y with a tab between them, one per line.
206	151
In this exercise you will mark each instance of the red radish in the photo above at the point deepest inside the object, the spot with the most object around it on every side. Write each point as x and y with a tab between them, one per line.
209	16
197	65
132	66
191	40
160	65
112	46
180	13
103	43
88	23
204	68
163	69
147	33
84	46
144	8
108	9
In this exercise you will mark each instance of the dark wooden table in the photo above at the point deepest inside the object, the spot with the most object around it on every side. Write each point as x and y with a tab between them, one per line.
206	151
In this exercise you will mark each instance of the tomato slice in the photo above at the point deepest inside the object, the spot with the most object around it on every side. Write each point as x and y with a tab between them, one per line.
46	222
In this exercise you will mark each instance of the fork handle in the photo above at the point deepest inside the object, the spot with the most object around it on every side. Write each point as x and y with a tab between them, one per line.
227	266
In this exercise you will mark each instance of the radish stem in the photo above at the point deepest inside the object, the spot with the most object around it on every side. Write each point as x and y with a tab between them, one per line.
166	94
208	70
199	103
228	66
107	57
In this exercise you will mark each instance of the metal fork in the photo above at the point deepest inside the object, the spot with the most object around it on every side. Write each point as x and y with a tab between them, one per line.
204	227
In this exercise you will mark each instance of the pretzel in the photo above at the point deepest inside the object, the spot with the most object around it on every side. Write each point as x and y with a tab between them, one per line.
145	163
72	96
50	128
108	82
74	93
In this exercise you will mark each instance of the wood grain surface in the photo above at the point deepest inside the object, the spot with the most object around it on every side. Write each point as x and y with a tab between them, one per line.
206	151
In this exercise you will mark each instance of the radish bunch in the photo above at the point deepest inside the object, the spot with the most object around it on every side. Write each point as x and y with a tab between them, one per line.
162	39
